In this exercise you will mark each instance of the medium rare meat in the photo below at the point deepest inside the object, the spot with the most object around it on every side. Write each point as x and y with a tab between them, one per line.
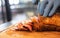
40	23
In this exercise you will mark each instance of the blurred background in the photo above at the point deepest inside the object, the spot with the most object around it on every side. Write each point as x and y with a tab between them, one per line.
16	10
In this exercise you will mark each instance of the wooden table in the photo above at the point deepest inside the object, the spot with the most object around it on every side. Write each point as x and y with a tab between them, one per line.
23	34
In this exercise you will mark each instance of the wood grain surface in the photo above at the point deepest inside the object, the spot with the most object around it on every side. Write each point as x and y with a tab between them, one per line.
9	33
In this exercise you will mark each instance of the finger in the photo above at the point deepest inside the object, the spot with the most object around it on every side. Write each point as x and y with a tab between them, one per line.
47	9
42	6
53	10
38	7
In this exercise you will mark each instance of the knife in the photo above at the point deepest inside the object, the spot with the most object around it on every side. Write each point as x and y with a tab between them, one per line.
4	26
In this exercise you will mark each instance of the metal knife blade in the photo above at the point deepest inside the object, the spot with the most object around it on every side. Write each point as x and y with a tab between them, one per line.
4	26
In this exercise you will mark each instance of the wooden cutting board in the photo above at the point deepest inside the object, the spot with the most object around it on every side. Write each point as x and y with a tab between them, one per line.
23	34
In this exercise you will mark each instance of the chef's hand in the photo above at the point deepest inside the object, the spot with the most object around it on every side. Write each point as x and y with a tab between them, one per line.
48	7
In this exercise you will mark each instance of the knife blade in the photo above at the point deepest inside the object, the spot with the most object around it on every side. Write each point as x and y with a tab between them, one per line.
4	26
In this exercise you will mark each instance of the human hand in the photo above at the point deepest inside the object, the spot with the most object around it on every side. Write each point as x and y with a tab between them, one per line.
48	7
